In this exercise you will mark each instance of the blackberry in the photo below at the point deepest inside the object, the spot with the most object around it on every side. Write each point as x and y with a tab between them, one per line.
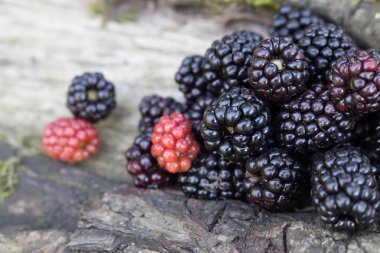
143	166
196	111
323	45
312	121
274	180
212	177
91	97
345	190
190	78
355	82
278	69
291	22
236	125
226	62
152	108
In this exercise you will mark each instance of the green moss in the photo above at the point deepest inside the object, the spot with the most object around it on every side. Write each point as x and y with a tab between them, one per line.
32	145
264	3
9	170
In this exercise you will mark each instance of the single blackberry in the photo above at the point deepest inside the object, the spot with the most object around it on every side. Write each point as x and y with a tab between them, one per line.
143	166
278	69
152	108
274	180
196	113
291	22
226	62
212	177
91	97
190	78
355	82
323	45
345	190
312	121
236	125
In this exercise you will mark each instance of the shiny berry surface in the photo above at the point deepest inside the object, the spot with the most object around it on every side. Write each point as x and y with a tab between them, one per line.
236	125
278	69
212	177
91	97
143	166
274	180
70	140
189	78
345	191
291	22
355	82
173	143
312	122
226	62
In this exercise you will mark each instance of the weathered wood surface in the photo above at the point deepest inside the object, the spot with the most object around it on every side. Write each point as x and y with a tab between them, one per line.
166	221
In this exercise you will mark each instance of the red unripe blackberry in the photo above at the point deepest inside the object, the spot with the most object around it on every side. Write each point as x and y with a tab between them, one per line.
143	166
355	82
173	143
278	69
70	140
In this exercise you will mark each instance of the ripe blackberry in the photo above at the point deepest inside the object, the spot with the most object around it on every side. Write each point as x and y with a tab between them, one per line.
274	180
173	143
91	97
291	22
196	113
143	166
70	140
345	190
278	69
152	108
212	177
312	121
355	82
236	125
226	62
323	45
190	78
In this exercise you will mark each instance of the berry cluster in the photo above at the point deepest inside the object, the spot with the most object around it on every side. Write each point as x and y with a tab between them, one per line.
281	122
90	98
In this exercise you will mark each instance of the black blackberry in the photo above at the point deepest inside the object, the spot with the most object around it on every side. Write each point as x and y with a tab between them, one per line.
278	69
152	108
323	45
143	166
190	78
312	121
226	62
274	180
212	177
196	111
291	22
91	97
236	125
345	190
